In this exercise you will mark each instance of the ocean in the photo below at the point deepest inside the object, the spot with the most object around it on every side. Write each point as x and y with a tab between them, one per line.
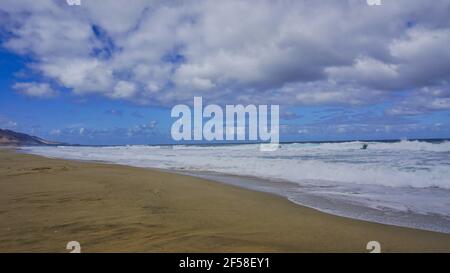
405	183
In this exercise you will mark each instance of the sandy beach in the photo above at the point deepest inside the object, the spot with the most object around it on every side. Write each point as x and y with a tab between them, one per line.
45	203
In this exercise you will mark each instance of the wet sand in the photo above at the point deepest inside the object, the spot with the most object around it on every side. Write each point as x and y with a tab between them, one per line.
45	203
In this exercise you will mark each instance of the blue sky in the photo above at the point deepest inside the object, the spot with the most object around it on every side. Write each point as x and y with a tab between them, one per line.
108	74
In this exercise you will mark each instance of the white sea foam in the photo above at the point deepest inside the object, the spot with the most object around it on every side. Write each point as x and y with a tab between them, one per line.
402	176
402	164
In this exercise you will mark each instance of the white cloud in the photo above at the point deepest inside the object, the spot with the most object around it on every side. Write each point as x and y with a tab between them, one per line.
289	52
6	123
81	74
34	89
123	90
422	101
366	71
55	132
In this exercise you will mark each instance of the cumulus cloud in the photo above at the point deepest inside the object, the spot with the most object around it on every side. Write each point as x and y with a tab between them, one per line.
34	89
422	101
287	52
79	130
55	132
123	90
6	123
365	124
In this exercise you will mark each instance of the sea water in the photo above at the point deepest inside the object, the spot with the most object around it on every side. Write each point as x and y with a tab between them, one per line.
404	183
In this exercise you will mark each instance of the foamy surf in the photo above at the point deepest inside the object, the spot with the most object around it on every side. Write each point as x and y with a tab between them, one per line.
404	183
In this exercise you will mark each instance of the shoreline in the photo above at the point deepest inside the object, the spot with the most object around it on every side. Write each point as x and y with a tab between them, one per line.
323	203
109	207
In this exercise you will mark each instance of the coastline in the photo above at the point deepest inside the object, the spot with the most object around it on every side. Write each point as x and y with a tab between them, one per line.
328	205
46	203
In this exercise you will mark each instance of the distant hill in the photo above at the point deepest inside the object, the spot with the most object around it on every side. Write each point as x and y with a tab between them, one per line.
11	138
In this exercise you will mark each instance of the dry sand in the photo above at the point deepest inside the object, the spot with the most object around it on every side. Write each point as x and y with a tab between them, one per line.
44	203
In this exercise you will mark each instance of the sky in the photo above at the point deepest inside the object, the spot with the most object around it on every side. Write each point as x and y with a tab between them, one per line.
105	72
